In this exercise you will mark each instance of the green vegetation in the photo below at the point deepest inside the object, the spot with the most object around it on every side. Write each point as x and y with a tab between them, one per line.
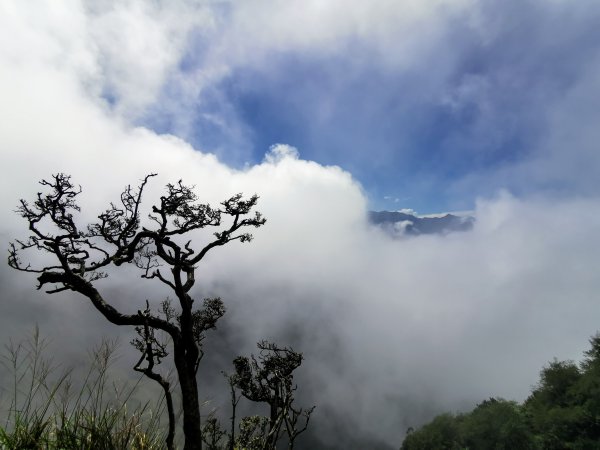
44	408
562	412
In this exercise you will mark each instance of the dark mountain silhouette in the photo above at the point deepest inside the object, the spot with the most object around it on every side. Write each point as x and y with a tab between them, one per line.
403	224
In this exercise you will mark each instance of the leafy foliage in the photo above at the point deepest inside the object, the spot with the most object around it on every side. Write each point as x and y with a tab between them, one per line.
562	412
269	379
443	433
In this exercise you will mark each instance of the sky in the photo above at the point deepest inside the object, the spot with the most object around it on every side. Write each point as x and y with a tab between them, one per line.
327	110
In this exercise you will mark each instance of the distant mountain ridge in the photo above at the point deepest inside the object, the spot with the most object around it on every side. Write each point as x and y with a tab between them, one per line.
399	223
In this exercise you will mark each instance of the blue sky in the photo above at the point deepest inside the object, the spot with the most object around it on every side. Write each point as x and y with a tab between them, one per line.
455	114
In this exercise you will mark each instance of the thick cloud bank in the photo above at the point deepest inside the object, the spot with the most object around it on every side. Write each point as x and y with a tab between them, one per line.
393	331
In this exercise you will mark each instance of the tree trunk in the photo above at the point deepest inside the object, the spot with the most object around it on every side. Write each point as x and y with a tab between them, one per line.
189	401
170	441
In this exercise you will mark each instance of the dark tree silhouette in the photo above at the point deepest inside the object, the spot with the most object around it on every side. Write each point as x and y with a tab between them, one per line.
269	379
80	255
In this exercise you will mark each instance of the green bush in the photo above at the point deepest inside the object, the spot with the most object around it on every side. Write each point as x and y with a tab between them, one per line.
562	412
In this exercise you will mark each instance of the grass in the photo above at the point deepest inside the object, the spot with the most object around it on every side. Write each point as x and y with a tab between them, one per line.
47	409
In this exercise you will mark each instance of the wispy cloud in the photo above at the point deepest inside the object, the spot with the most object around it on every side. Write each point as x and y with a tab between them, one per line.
425	97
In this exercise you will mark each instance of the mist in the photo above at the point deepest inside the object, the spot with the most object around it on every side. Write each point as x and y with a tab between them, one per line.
393	331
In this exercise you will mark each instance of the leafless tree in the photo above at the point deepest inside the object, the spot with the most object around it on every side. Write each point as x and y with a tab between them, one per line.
81	257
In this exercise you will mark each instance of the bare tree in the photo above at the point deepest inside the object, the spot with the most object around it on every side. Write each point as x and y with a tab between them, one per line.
80	255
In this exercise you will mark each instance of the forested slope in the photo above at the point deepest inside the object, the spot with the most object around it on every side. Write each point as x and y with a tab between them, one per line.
562	412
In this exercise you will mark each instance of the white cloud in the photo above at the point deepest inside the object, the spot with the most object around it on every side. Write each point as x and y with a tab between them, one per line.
409	27
138	44
123	51
408	211
279	152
